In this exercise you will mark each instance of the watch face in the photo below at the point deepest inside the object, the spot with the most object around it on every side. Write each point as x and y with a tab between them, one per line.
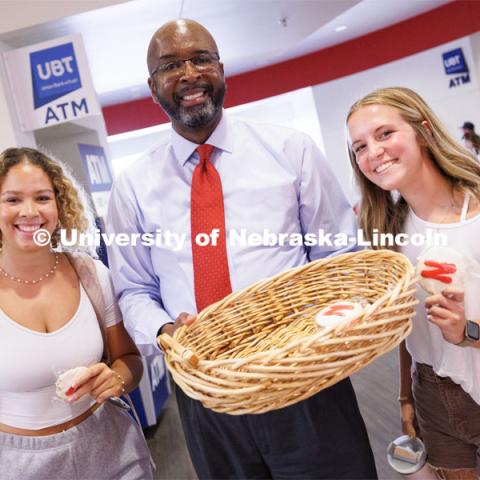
473	330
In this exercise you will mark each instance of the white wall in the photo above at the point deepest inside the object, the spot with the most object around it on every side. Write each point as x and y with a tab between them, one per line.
294	109
10	133
423	72
475	41
321	110
61	142
33	12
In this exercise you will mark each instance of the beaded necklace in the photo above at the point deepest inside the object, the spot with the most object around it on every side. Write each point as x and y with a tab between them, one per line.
31	282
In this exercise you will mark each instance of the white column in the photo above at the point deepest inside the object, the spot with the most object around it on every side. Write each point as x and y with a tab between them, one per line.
10	133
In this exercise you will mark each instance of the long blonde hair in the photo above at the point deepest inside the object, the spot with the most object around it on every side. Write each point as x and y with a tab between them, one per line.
381	209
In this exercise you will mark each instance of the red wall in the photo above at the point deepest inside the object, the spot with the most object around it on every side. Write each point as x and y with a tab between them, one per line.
454	20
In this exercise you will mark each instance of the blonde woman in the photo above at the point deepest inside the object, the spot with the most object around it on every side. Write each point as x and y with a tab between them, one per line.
413	177
48	326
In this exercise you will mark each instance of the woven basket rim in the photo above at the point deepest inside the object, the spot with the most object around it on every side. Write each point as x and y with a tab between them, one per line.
262	356
284	275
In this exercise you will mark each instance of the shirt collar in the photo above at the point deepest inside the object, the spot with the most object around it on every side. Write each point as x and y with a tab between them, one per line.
220	138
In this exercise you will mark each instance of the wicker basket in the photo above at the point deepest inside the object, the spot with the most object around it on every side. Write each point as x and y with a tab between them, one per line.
259	349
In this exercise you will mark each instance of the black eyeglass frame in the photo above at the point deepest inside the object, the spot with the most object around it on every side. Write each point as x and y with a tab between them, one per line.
162	68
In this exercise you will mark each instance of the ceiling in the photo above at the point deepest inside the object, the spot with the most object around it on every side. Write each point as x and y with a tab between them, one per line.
250	33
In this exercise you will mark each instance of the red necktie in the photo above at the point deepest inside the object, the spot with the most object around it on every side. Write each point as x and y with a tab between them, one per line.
210	264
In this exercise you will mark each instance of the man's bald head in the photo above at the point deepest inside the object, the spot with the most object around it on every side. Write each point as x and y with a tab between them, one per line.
186	77
180	32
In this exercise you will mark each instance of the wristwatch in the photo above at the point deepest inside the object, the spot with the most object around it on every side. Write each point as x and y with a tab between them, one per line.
472	334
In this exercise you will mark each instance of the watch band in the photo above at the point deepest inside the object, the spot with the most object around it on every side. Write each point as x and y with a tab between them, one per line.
468	339
466	342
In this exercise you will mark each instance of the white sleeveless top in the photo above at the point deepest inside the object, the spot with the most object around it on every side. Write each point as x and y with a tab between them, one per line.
425	343
30	362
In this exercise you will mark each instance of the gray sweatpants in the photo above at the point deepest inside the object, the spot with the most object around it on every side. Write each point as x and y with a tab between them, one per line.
107	445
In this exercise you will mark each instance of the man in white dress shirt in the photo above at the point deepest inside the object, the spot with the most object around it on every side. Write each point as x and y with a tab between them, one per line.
269	180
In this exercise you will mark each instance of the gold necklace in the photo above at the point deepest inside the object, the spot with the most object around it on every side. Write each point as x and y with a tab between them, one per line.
31	282
443	212
452	209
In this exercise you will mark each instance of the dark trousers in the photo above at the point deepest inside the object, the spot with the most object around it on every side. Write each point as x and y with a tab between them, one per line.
321	437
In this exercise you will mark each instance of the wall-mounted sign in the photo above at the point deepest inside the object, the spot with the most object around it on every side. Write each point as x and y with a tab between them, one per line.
456	67
151	394
99	175
51	83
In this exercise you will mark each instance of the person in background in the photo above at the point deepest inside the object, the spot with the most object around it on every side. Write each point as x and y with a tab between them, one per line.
471	138
216	172
55	422
413	177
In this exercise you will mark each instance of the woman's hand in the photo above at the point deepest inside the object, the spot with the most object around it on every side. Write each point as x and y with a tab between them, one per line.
408	418
100	381
446	310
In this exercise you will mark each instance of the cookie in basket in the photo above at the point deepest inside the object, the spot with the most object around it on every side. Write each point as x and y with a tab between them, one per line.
339	313
440	267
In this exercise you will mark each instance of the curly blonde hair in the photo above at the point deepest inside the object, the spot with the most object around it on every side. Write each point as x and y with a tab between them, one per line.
74	212
382	210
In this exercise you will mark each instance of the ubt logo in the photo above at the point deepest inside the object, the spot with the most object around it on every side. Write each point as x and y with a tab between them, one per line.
455	65
54	73
56	68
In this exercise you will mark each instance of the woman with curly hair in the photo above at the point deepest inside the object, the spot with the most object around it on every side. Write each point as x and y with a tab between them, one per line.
59	415
415	177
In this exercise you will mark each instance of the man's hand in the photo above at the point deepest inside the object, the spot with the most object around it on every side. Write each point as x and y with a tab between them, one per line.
446	310
181	320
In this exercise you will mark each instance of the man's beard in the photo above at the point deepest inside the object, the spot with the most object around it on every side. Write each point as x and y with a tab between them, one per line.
196	116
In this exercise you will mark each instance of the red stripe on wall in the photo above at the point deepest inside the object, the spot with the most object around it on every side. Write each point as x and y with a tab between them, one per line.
442	25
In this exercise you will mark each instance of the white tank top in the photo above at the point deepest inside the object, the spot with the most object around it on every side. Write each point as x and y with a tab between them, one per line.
30	362
425	343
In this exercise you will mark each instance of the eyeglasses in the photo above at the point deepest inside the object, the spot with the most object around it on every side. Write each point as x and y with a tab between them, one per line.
202	63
